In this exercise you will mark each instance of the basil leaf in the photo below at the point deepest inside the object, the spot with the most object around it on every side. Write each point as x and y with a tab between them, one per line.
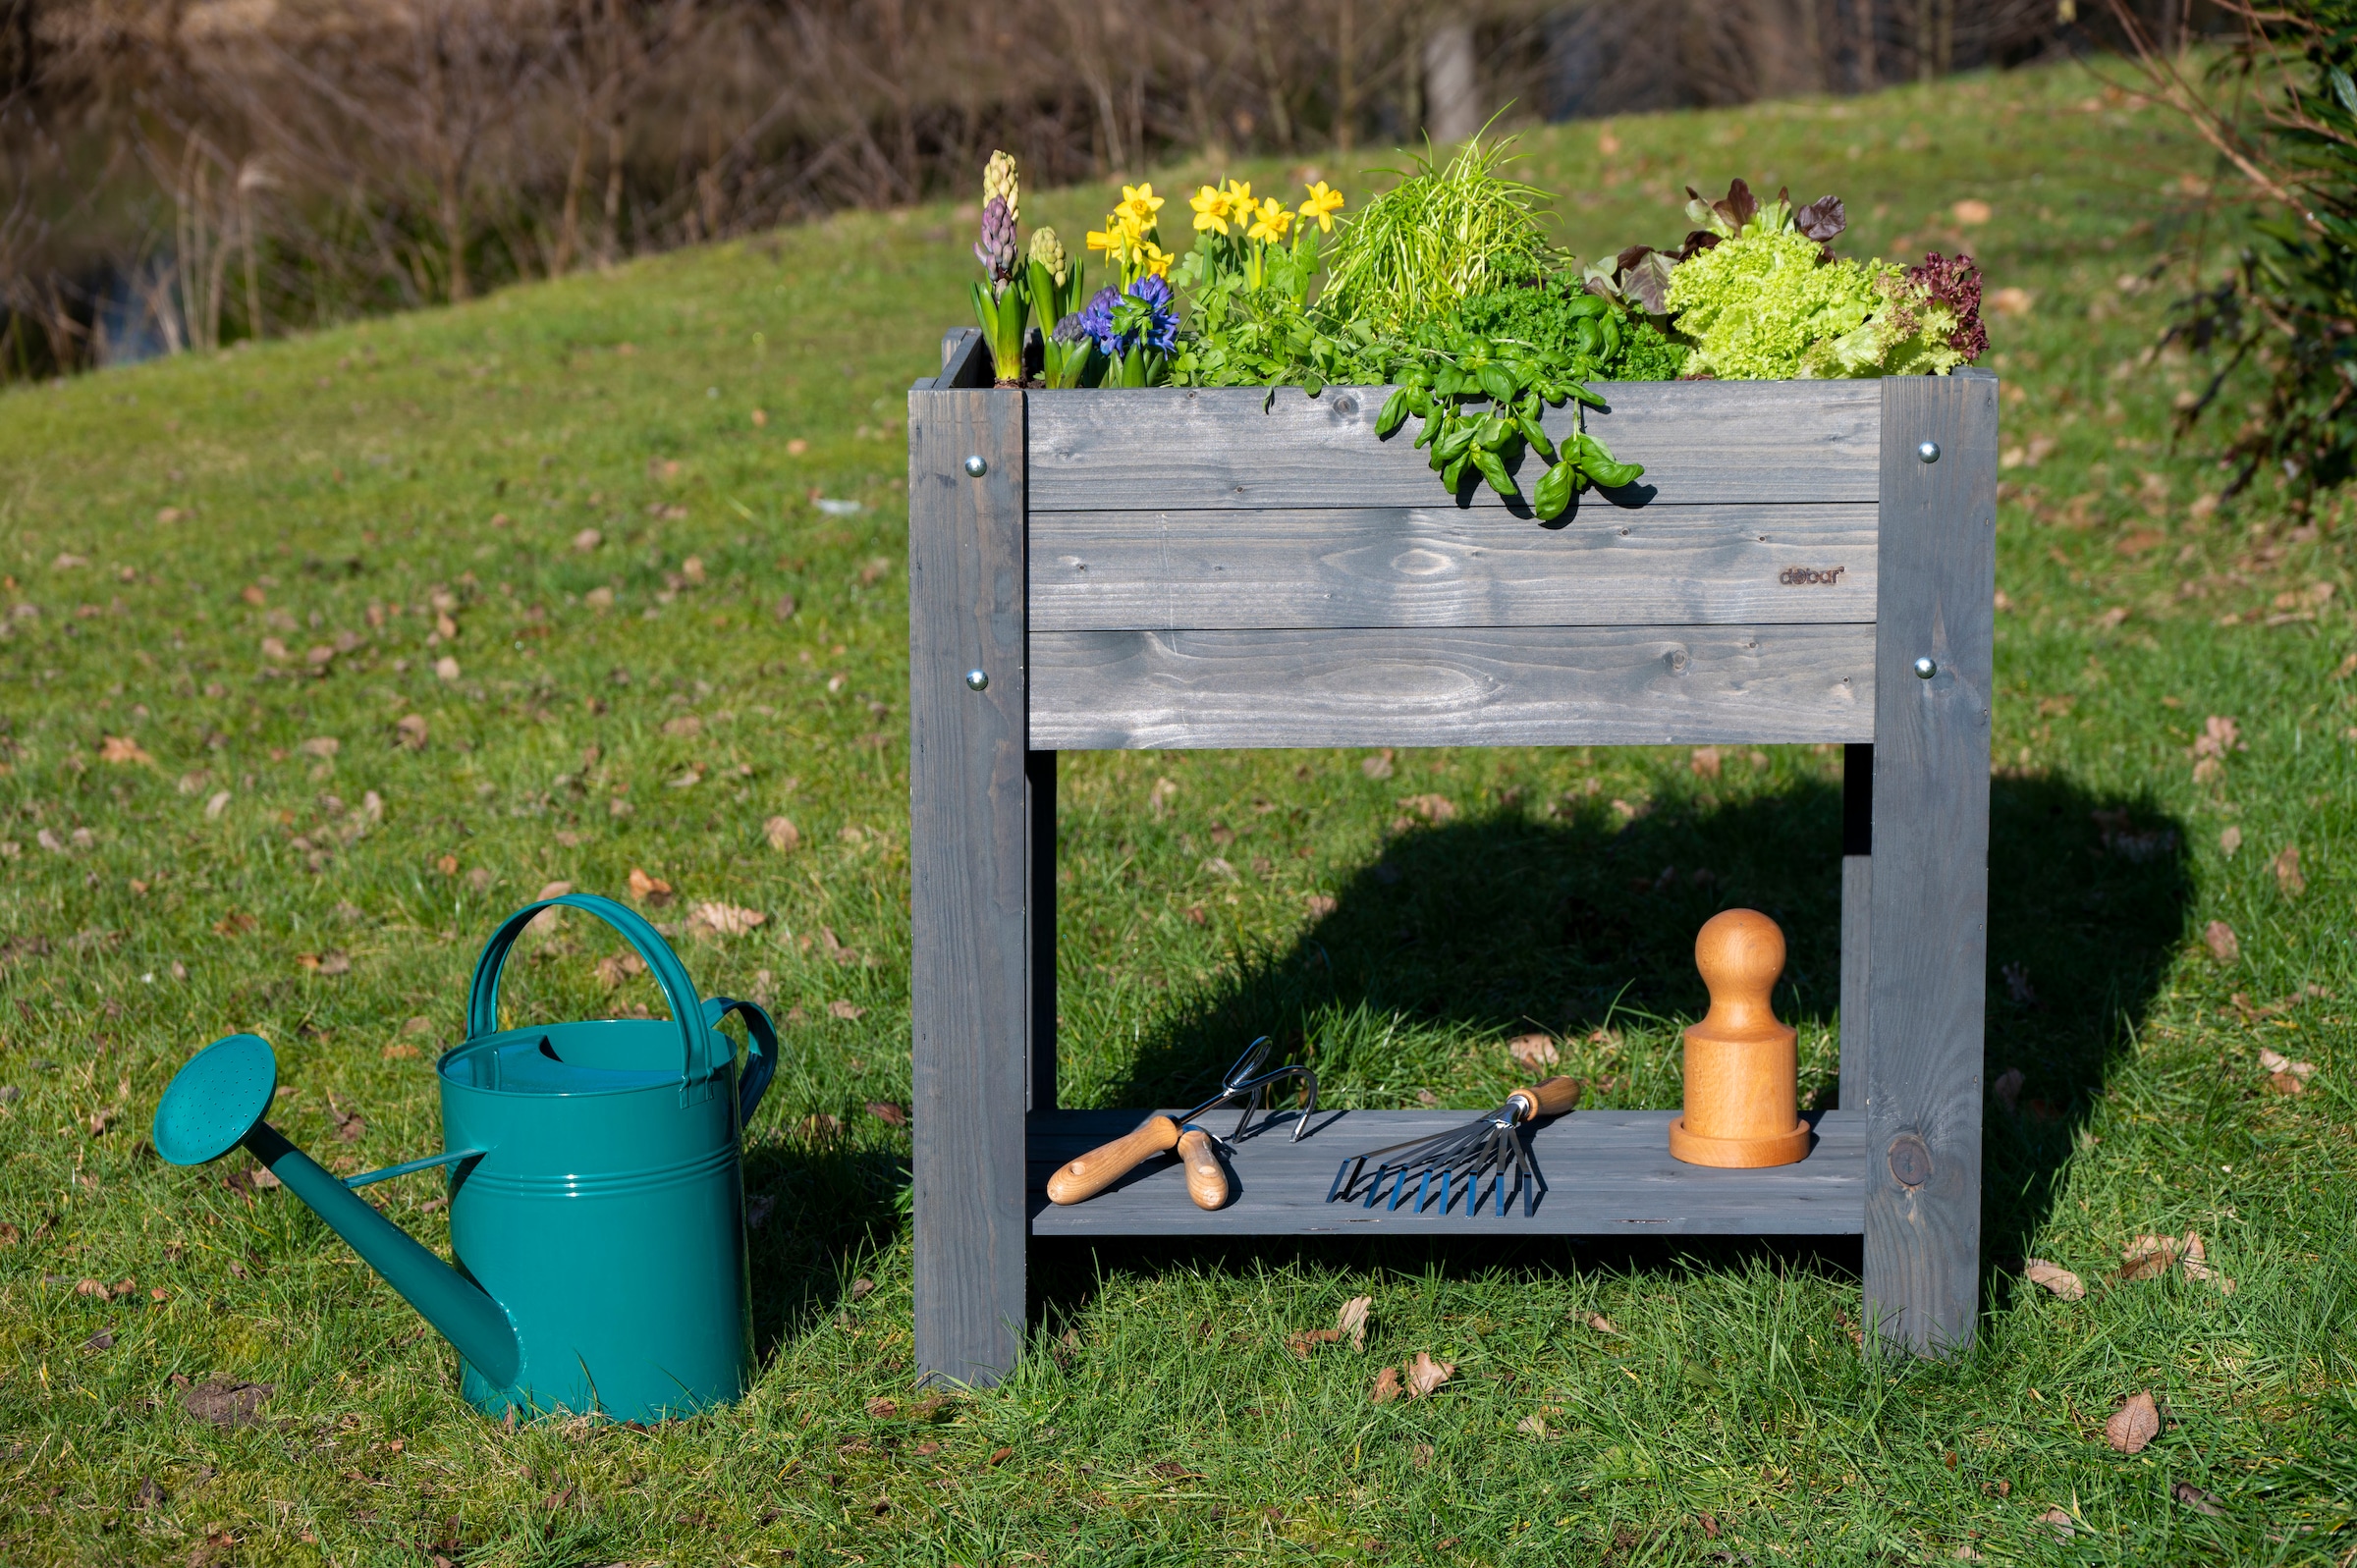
1553	493
1498	382
1493	468
1393	416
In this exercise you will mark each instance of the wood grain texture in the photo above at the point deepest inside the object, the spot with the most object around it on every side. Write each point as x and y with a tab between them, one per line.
1193	449
1927	932
964	362
1608	1172
971	867
1435	565
1543	686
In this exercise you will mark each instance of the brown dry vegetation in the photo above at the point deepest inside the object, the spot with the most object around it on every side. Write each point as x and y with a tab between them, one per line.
199	171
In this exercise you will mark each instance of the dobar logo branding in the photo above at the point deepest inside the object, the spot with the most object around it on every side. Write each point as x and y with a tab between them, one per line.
1810	577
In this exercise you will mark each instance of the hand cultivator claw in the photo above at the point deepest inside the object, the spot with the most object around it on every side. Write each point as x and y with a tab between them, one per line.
1207	1181
1487	1153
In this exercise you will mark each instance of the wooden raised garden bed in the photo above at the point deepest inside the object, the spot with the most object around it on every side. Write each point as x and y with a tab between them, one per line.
1188	569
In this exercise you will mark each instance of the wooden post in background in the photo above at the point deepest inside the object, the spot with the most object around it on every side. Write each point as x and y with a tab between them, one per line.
971	865
1927	932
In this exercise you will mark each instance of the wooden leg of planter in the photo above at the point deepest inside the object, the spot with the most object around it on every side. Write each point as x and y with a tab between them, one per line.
970	872
1857	882
1927	932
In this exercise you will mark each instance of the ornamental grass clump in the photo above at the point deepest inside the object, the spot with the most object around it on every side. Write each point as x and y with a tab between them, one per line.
1442	234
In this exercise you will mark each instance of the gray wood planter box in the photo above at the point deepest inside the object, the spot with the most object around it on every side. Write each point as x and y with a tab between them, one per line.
1811	562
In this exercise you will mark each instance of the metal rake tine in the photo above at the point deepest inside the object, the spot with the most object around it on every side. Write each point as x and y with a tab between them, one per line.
1341	1187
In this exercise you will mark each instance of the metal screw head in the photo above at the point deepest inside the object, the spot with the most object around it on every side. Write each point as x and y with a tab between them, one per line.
975	466
977	680
1926	667
1929	452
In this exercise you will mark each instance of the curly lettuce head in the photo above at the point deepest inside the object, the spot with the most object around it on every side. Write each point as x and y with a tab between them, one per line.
1764	307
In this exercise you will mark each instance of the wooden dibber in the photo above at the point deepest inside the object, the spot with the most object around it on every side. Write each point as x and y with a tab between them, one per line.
1742	1067
1101	1167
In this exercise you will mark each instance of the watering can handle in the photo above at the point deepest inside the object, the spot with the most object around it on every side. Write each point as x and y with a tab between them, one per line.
697	1039
761	1054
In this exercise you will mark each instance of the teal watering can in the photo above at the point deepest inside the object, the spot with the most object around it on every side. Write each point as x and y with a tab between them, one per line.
596	1200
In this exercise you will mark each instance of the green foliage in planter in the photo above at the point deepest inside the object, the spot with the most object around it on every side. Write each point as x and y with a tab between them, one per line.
1550	317
1442	234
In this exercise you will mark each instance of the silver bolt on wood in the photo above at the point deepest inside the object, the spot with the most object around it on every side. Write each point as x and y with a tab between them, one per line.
978	679
976	467
1926	667
1929	452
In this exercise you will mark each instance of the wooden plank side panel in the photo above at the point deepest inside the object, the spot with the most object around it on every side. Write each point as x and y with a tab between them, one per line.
1608	1172
1513	686
970	867
1927	932
1435	565
1190	449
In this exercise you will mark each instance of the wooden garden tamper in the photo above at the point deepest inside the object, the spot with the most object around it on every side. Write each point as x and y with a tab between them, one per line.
1743	1067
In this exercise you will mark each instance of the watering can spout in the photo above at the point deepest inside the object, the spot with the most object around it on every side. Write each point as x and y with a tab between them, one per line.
216	1103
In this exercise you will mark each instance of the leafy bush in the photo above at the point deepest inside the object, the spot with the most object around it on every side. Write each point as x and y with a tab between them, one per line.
1547	317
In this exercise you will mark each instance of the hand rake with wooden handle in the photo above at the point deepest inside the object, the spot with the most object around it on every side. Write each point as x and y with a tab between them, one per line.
1486	1151
1206	1178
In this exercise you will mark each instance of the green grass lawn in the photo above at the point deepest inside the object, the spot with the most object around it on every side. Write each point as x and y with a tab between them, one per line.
319	658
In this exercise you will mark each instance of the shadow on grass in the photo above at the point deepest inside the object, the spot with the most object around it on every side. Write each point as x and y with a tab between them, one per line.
1498	925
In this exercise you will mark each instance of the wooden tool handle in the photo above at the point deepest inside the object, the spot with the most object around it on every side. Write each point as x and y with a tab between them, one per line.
1549	1099
1206	1177
1101	1167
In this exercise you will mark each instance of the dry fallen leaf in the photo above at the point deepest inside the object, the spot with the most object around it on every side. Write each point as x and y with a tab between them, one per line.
1600	1324
1425	1374
2287	871
1705	762
350	1126
410	732
1533	1051
781	834
1000	1456
2219	938
1321	905
1434	809
861	1286
1532	1426
2285	1075
1353	1319
2059	1521
2055	1278
2148	1256
1378	766
847	1010
123	750
646	890
2199	1501
2136	1422
883	1409
723	920
225	1403
1386	1383
612	971
2006	1090
1301	1341
884	1112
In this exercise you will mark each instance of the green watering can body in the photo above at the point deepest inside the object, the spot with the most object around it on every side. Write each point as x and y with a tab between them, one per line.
596	1195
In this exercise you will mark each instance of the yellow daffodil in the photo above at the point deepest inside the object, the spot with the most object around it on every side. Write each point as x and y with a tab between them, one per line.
1211	209
1108	239
1323	203
1142	202
1239	198
1158	260
1270	222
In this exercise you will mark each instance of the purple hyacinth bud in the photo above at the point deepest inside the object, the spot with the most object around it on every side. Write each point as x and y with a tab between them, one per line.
996	250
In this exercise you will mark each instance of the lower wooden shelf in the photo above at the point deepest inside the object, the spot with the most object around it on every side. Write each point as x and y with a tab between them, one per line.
1608	1172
